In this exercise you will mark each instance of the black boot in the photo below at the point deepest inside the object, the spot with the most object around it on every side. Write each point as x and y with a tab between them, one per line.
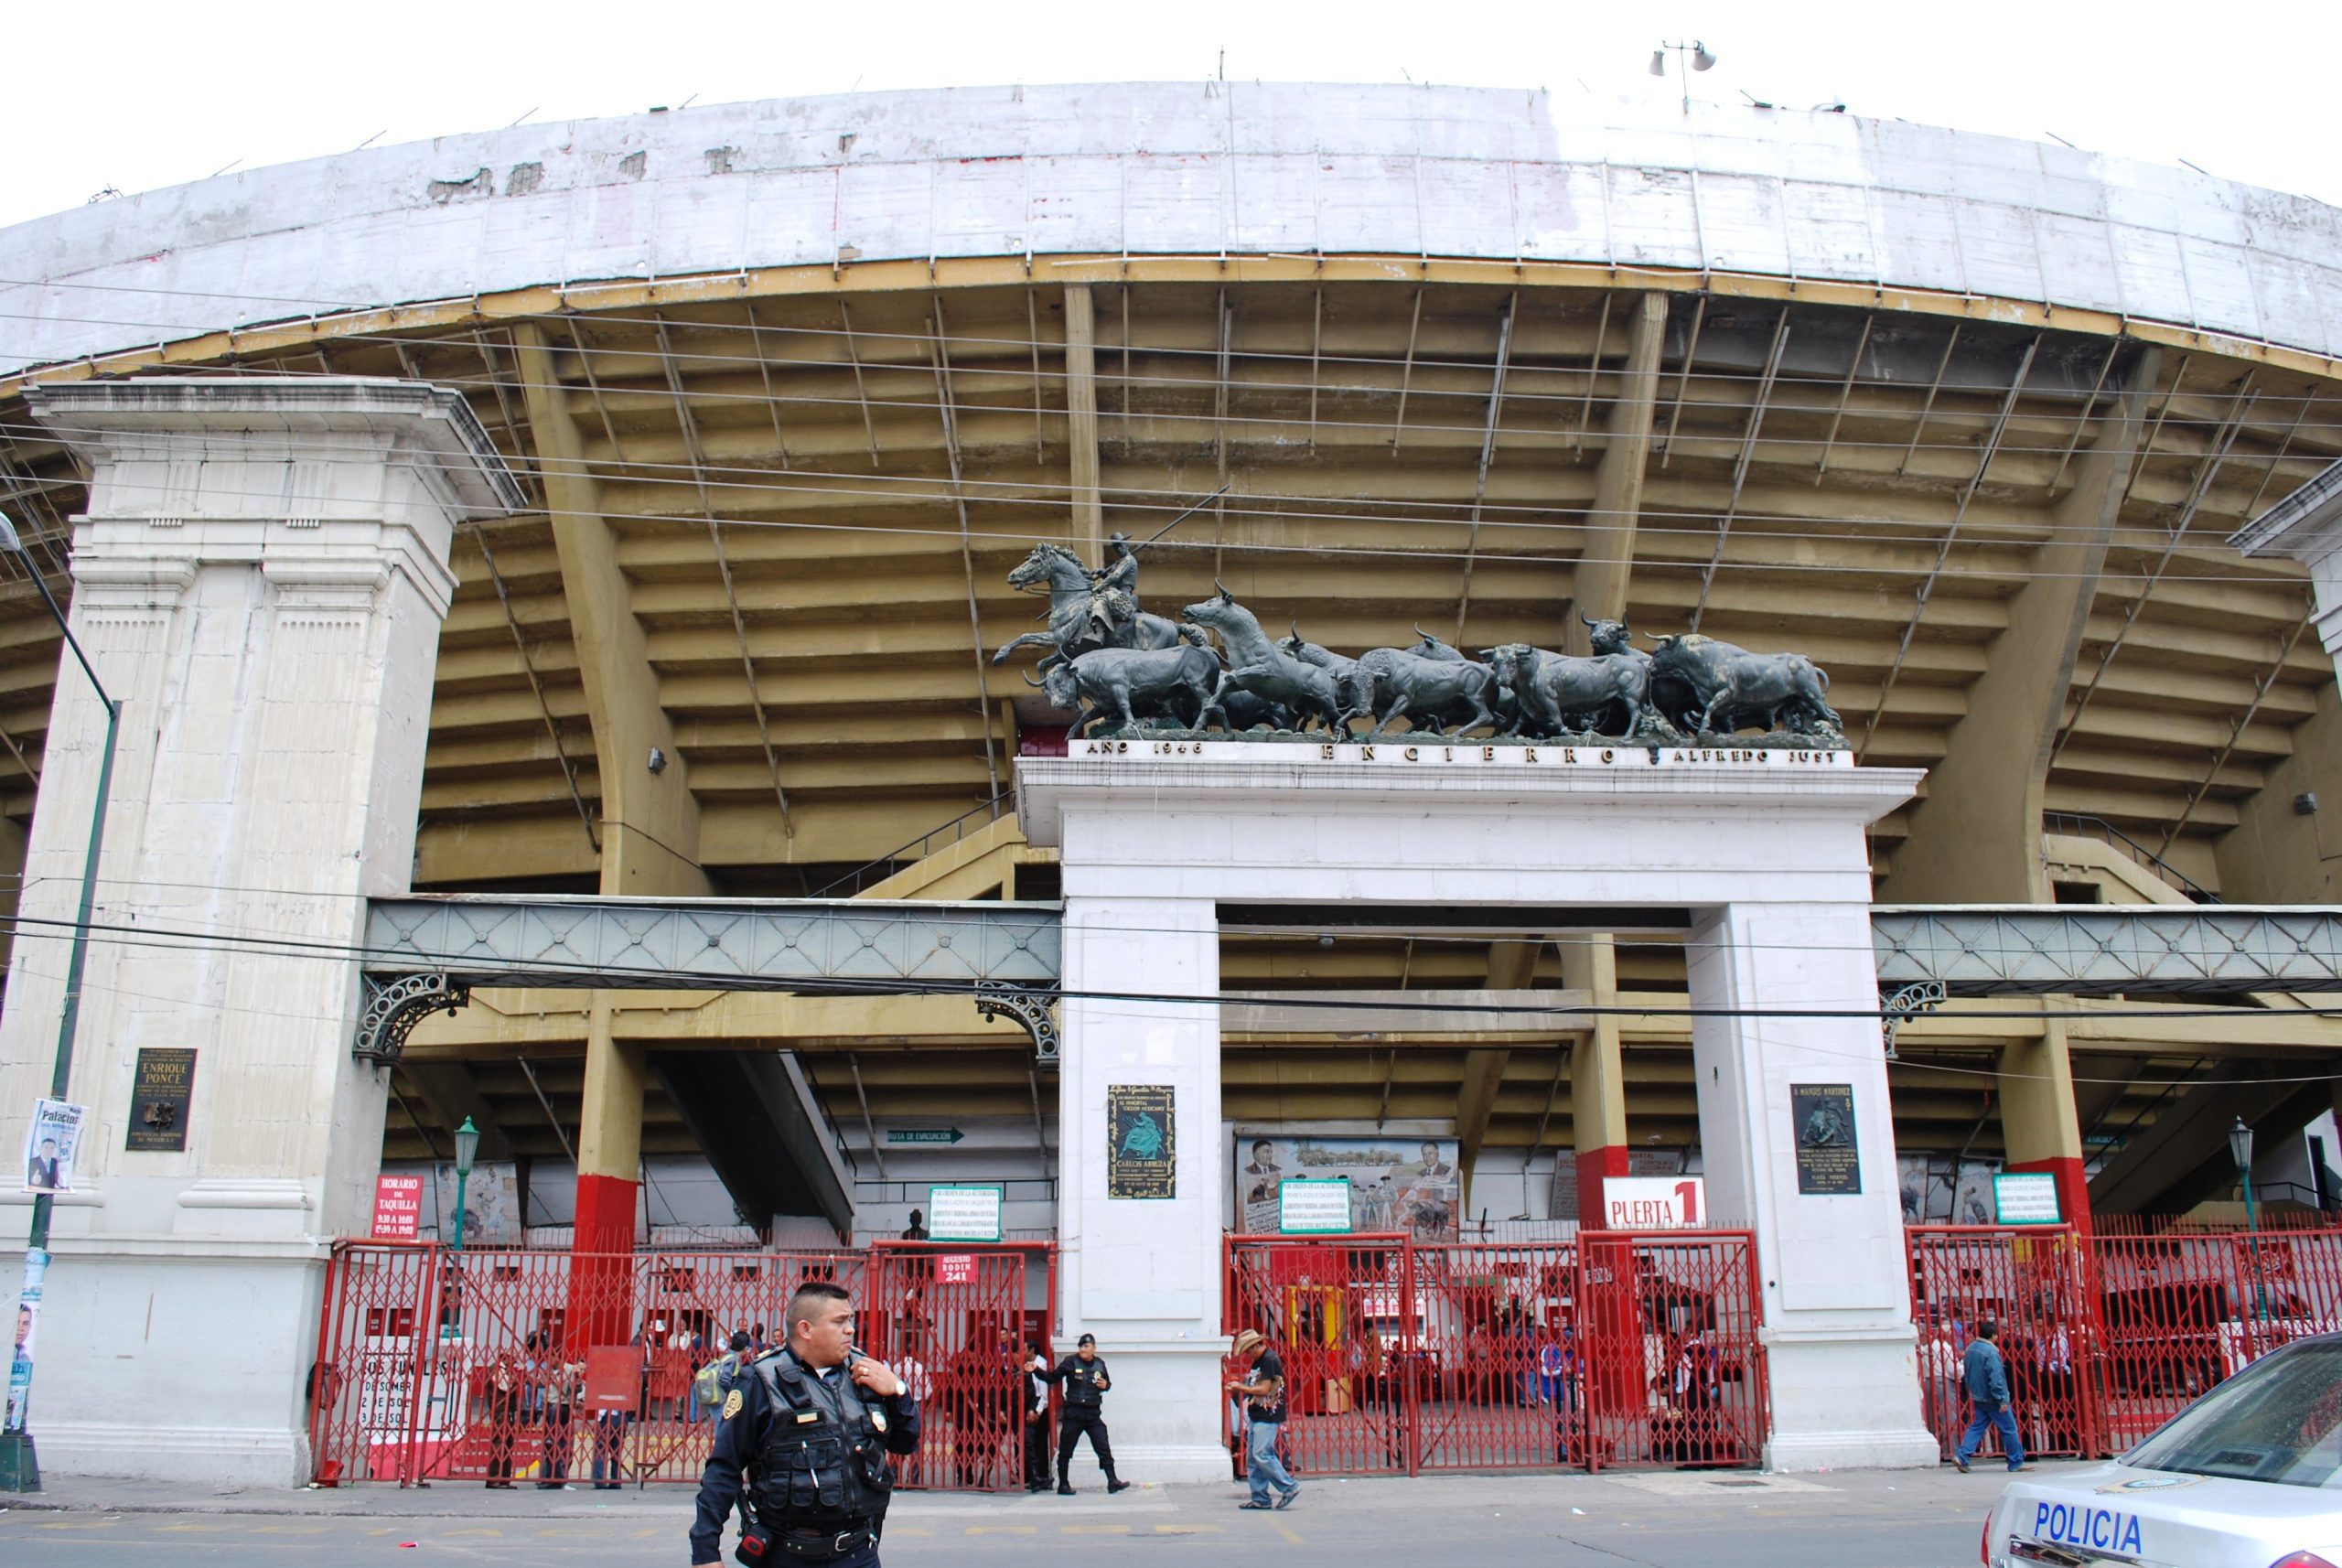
1115	1484
1065	1487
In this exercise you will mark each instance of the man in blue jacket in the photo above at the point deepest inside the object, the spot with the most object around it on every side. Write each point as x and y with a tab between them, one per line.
1988	1389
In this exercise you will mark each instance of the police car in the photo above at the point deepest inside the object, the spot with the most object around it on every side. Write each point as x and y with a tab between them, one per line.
2247	1477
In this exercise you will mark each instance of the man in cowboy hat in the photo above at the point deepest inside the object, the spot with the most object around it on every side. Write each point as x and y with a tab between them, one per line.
1263	1394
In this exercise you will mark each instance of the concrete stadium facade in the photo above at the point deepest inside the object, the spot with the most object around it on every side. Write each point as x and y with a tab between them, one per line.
785	389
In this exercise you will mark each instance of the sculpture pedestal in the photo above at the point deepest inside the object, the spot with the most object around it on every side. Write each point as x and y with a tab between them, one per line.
1764	851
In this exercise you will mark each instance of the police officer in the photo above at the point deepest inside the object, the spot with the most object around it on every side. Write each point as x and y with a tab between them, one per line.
807	1430
1083	1373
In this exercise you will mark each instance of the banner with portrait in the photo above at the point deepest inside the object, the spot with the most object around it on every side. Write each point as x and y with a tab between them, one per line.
50	1144
1396	1182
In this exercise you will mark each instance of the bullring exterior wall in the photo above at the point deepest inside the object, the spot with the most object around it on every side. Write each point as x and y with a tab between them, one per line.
1179	168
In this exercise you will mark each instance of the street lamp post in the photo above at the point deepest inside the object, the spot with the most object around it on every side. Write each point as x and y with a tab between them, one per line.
2241	1151
467	1150
19	1463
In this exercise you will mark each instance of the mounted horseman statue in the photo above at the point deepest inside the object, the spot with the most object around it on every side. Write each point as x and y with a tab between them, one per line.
1090	610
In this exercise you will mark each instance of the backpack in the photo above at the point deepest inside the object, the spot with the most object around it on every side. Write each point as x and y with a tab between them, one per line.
707	1383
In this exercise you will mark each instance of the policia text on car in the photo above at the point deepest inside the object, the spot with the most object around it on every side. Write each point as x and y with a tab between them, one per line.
807	1433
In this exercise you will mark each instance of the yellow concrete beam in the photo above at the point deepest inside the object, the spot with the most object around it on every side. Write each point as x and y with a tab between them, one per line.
1961	848
1081	418
1607	562
649	819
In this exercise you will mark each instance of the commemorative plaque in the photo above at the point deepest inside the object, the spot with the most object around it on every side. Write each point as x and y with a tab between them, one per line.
1821	1121
1141	1146
164	1083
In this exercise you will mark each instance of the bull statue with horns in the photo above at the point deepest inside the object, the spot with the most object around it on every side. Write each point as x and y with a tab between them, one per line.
1119	671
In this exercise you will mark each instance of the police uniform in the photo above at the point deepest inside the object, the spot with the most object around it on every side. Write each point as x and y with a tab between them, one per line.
1080	1414
813	1450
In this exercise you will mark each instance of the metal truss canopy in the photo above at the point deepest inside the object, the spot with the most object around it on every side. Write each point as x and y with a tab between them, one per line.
425	954
2029	950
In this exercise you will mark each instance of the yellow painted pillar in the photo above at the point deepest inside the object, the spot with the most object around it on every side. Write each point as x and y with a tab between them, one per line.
1598	1077
2039	1126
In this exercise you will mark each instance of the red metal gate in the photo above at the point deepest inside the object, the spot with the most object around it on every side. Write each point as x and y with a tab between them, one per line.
1347	1323
953	1321
2034	1281
434	1365
2180	1312
1612	1348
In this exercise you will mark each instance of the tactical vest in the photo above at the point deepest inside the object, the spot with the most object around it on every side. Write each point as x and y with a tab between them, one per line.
811	1471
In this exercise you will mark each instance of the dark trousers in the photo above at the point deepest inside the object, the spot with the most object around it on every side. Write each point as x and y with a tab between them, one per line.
1071	1424
1037	1451
555	1467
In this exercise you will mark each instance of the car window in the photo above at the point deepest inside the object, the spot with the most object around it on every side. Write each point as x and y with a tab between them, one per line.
2279	1420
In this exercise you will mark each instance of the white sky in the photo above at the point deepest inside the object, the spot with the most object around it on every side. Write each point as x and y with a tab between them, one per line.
136	95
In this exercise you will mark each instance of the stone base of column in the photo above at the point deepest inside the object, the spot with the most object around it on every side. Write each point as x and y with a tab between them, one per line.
1847	1402
1167	1409
214	1338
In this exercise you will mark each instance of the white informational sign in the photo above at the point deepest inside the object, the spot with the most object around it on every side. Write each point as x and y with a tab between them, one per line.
963	1214
2025	1197
1307	1208
49	1142
1654	1203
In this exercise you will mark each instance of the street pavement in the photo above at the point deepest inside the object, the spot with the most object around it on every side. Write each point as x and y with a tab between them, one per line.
1654	1519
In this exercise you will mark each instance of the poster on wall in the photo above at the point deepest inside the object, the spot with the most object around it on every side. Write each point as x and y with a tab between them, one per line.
49	1145
1396	1184
1944	1189
491	1205
1142	1141
161	1086
1821	1119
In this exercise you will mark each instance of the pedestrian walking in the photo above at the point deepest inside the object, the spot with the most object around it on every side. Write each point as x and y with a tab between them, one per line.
1264	1408
1083	1377
807	1433
1988	1390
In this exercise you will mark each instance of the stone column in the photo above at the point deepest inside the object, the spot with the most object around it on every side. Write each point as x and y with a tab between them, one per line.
260	579
1143	1274
1837	1310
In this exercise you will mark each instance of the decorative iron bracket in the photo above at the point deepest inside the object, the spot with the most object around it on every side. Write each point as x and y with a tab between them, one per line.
1034	1009
1906	1003
393	1006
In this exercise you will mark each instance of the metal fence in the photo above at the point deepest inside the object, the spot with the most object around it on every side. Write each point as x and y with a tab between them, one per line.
2108	1336
1608	1348
558	1367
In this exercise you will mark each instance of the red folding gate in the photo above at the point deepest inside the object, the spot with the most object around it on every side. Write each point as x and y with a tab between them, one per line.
434	1365
953	1321
2106	1337
1612	1348
2035	1282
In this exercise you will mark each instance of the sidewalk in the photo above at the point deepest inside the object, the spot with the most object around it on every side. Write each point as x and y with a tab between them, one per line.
1613	1493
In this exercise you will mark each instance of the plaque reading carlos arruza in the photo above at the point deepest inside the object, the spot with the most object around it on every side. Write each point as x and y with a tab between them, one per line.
1821	1117
1141	1147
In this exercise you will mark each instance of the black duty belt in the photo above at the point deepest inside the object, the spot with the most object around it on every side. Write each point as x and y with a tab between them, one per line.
823	1547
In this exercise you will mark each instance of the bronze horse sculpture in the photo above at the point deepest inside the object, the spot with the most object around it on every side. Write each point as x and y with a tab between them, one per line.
1090	610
